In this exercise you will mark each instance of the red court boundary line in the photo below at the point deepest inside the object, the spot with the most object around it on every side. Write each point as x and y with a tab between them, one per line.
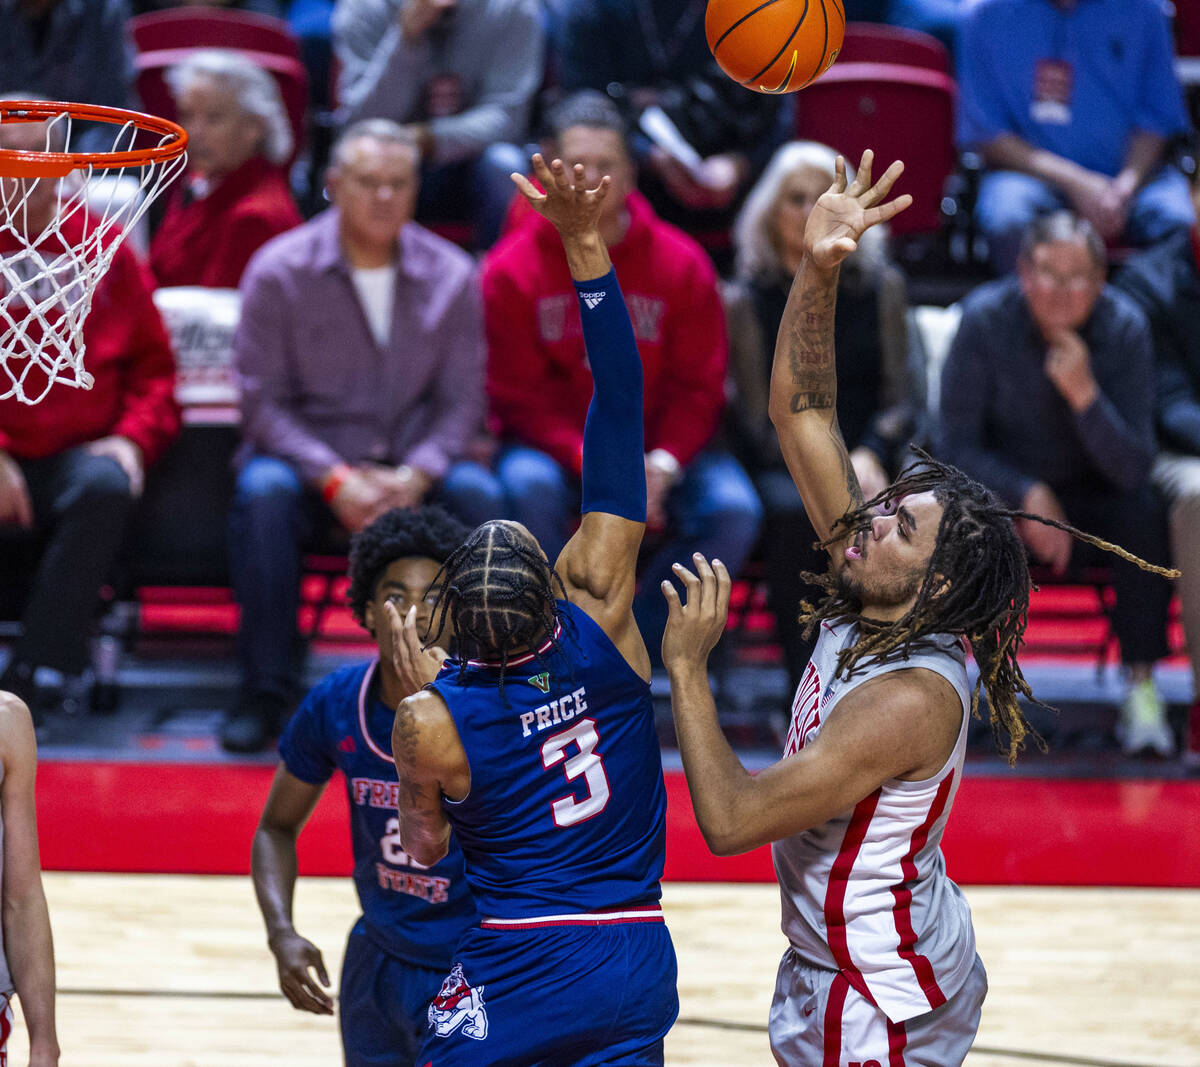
200	818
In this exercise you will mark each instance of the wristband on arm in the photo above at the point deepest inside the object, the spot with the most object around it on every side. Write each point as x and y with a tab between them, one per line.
614	471
334	482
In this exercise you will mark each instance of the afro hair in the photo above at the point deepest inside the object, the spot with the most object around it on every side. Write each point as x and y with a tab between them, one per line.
400	532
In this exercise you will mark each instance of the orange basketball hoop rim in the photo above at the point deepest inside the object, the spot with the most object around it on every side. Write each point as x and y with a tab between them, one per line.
15	163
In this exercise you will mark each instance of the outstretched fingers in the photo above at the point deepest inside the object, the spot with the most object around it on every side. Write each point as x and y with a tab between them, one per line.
862	177
839	176
528	190
708	588
887	211
883	187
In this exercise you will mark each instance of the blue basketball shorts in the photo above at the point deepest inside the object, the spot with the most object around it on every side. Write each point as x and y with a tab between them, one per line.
580	995
382	1004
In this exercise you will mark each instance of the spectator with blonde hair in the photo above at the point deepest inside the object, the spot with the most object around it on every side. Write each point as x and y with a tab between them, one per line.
234	196
872	353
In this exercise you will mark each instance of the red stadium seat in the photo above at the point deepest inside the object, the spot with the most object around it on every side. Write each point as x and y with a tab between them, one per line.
871	42
902	113
212	27
1187	28
289	73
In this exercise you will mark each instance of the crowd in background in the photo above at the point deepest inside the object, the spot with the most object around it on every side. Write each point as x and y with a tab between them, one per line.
382	364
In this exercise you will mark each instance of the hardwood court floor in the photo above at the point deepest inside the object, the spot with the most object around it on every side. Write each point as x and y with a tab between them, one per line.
172	971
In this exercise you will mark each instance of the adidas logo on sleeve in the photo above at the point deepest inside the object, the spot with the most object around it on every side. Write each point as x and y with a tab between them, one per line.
593	299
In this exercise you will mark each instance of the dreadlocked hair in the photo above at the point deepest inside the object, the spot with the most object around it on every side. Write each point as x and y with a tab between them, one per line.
976	584
499	593
397	533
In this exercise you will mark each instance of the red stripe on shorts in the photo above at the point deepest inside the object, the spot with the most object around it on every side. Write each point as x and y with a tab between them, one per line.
897	1042
648	914
833	1021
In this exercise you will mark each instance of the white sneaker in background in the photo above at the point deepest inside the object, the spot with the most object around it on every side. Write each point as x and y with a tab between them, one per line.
1142	724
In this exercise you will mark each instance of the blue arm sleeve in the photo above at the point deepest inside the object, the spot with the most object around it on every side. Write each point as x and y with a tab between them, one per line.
614	466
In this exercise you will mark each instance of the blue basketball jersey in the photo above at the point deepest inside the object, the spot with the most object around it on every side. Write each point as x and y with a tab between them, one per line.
567	808
411	912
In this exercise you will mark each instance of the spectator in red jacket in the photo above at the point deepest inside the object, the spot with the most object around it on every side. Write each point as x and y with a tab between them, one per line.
72	465
234	196
539	383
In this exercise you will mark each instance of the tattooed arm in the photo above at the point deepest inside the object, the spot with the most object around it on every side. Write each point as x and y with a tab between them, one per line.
430	763
803	403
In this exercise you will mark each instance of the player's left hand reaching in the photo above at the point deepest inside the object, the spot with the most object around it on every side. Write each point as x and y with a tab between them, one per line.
695	625
567	202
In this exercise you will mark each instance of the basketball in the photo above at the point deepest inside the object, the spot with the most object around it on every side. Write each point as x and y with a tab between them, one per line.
776	46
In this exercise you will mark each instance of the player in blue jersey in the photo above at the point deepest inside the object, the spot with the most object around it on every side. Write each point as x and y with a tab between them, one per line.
400	948
537	745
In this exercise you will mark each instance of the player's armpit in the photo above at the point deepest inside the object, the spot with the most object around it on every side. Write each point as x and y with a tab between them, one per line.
430	763
598	570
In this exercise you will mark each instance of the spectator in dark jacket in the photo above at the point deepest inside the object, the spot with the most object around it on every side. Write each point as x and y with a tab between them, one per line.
77	50
651	56
1047	398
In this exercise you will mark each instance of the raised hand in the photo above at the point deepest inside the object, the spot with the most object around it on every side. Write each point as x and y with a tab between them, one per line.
573	208
843	214
695	625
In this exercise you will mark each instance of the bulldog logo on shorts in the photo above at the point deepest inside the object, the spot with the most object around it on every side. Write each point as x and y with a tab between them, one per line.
458	1004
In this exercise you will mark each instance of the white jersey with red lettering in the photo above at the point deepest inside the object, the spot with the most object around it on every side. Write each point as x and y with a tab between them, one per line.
866	893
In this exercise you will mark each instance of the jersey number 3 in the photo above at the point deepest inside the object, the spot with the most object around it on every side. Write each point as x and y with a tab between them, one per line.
570	810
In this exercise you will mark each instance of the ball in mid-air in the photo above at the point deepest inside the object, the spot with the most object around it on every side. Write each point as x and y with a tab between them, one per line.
775	46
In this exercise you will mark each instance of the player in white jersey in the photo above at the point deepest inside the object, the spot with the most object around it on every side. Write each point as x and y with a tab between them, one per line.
881	967
26	949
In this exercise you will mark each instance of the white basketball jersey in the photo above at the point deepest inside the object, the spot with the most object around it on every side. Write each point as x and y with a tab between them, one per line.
6	985
866	893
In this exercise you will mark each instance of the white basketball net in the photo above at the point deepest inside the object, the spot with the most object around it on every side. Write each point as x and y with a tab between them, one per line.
47	279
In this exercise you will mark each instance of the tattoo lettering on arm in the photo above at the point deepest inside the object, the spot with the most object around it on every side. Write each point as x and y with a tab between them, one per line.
813	400
806	340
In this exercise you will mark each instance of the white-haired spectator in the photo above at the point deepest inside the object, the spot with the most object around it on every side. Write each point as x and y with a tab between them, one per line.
871	341
234	195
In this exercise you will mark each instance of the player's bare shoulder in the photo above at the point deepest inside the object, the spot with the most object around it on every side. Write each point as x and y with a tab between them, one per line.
419	718
921	707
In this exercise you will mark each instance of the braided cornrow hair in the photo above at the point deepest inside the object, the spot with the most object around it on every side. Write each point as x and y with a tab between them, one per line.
500	594
976	584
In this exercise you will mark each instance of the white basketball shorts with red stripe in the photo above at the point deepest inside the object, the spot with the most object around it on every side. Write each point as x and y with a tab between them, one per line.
819	1018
